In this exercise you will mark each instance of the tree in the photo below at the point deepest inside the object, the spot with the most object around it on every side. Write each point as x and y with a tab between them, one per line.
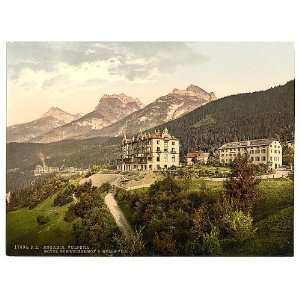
287	155
240	190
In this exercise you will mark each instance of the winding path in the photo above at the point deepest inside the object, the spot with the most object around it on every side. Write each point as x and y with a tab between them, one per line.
117	214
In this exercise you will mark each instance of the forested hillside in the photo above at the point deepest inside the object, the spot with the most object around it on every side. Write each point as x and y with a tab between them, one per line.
26	156
261	114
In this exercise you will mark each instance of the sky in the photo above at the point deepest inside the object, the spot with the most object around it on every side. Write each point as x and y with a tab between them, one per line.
74	75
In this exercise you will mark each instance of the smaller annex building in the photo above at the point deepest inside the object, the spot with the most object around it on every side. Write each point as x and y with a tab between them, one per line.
196	157
149	152
261	151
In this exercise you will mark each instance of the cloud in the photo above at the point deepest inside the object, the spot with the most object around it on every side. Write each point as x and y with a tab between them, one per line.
59	79
131	60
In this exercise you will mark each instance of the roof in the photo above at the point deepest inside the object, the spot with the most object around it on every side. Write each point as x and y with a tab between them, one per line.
248	143
196	154
157	134
192	154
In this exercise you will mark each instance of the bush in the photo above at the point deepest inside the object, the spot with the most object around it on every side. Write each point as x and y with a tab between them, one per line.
65	196
211	242
240	225
105	188
42	219
70	215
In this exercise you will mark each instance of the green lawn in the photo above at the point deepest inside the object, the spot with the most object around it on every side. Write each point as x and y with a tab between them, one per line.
23	228
274	218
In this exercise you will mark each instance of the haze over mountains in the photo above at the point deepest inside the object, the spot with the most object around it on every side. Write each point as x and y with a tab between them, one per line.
25	132
56	124
114	115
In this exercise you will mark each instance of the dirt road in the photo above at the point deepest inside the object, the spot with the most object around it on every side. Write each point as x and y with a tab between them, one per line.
117	214
99	179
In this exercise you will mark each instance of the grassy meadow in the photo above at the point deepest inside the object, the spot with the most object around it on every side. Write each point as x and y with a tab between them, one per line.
23	228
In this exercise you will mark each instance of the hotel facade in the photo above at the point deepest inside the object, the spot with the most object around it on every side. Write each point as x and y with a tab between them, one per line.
261	151
149	152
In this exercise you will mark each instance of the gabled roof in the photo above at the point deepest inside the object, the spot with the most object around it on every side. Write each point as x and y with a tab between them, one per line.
249	143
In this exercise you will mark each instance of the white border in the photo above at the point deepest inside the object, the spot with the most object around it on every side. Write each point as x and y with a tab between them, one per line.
149	278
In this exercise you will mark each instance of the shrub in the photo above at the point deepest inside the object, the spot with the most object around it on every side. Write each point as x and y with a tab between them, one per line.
211	242
240	225
60	201
42	219
105	188
65	196
70	215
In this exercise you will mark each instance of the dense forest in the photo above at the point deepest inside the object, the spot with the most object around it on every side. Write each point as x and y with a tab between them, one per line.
263	114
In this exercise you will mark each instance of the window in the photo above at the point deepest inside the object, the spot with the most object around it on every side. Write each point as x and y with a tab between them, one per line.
150	167
251	158
173	158
158	149
173	143
270	158
251	151
157	158
157	142
263	158
257	151
173	149
257	158
165	166
263	151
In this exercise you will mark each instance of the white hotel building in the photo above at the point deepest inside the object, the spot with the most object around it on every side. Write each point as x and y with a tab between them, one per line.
262	151
149	151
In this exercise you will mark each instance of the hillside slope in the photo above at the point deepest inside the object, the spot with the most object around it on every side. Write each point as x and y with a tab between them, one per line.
261	114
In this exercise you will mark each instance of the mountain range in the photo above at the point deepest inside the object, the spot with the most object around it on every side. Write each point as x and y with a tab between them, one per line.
114	115
110	109
53	118
163	109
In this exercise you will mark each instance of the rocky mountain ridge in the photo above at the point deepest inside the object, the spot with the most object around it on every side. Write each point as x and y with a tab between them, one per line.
110	109
163	109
